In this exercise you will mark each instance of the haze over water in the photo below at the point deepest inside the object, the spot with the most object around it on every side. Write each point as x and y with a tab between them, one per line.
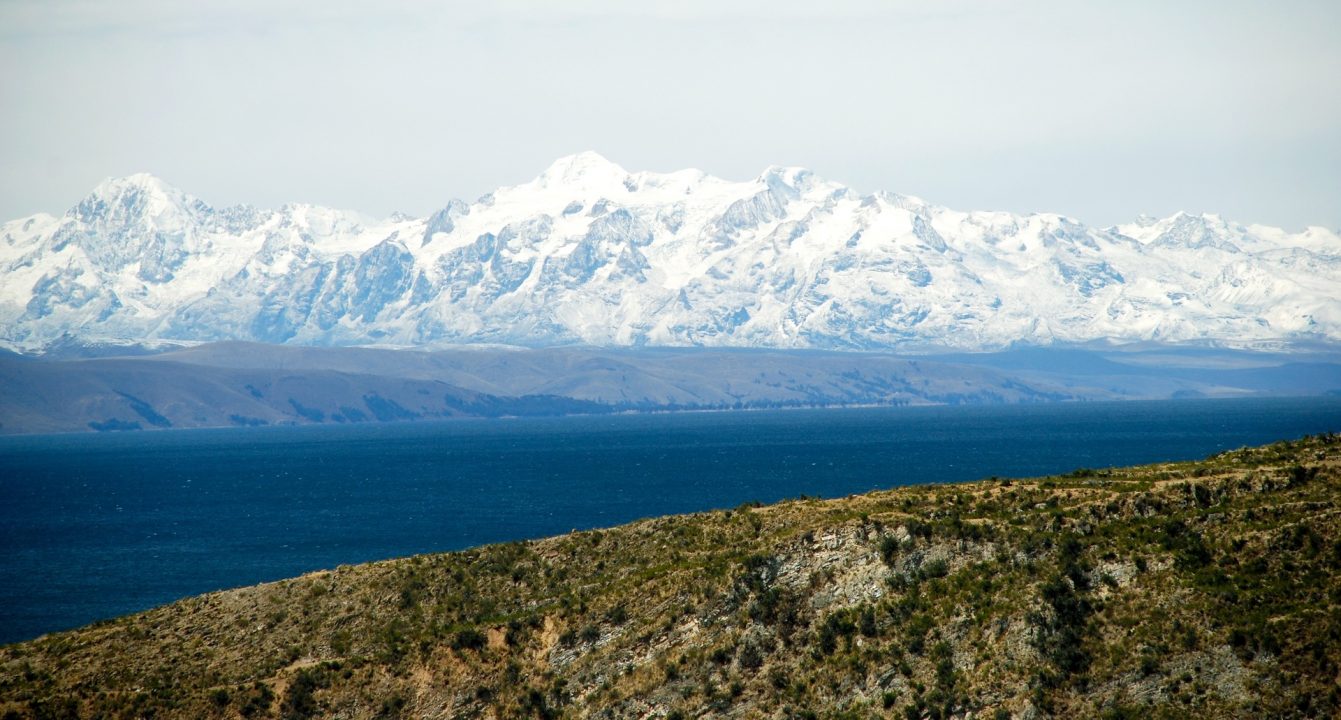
94	526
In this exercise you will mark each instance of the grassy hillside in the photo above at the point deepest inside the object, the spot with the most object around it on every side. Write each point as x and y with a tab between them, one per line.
1204	589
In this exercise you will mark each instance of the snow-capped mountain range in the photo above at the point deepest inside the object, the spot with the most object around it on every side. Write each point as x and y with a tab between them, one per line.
590	253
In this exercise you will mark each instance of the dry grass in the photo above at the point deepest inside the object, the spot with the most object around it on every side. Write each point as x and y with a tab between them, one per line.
1193	589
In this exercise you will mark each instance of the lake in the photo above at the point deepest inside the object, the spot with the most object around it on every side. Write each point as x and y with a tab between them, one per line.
94	526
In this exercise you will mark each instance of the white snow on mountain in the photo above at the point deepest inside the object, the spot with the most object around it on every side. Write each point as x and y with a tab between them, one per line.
591	253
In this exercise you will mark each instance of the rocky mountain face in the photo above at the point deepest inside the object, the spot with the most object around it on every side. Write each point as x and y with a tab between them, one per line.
590	253
1204	590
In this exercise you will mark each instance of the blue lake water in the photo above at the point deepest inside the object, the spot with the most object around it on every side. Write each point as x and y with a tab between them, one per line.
94	526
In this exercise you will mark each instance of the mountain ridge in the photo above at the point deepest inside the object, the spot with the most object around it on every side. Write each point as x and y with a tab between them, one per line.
589	253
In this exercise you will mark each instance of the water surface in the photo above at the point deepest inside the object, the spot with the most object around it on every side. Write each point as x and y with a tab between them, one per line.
94	526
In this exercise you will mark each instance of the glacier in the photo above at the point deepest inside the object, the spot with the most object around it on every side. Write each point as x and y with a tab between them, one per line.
588	253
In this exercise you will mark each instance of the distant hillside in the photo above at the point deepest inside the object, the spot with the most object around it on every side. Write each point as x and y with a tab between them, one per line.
248	384
1203	589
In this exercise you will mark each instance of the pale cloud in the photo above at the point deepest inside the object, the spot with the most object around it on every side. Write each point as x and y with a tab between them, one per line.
1102	111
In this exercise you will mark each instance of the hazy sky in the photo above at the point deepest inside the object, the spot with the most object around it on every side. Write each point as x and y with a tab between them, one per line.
1102	111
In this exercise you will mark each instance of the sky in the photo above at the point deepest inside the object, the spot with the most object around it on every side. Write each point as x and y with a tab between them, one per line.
1100	111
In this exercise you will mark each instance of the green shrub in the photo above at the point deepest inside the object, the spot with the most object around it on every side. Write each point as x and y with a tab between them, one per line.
751	655
590	634
889	549
301	702
469	639
219	696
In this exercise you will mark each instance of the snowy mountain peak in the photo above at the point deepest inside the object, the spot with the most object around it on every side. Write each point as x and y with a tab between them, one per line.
794	179
139	186
141	196
588	252
1184	229
135	181
895	200
584	168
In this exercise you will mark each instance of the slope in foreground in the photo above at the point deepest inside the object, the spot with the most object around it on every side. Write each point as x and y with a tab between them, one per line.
1204	589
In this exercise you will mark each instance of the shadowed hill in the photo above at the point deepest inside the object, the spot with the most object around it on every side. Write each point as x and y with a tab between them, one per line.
225	384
